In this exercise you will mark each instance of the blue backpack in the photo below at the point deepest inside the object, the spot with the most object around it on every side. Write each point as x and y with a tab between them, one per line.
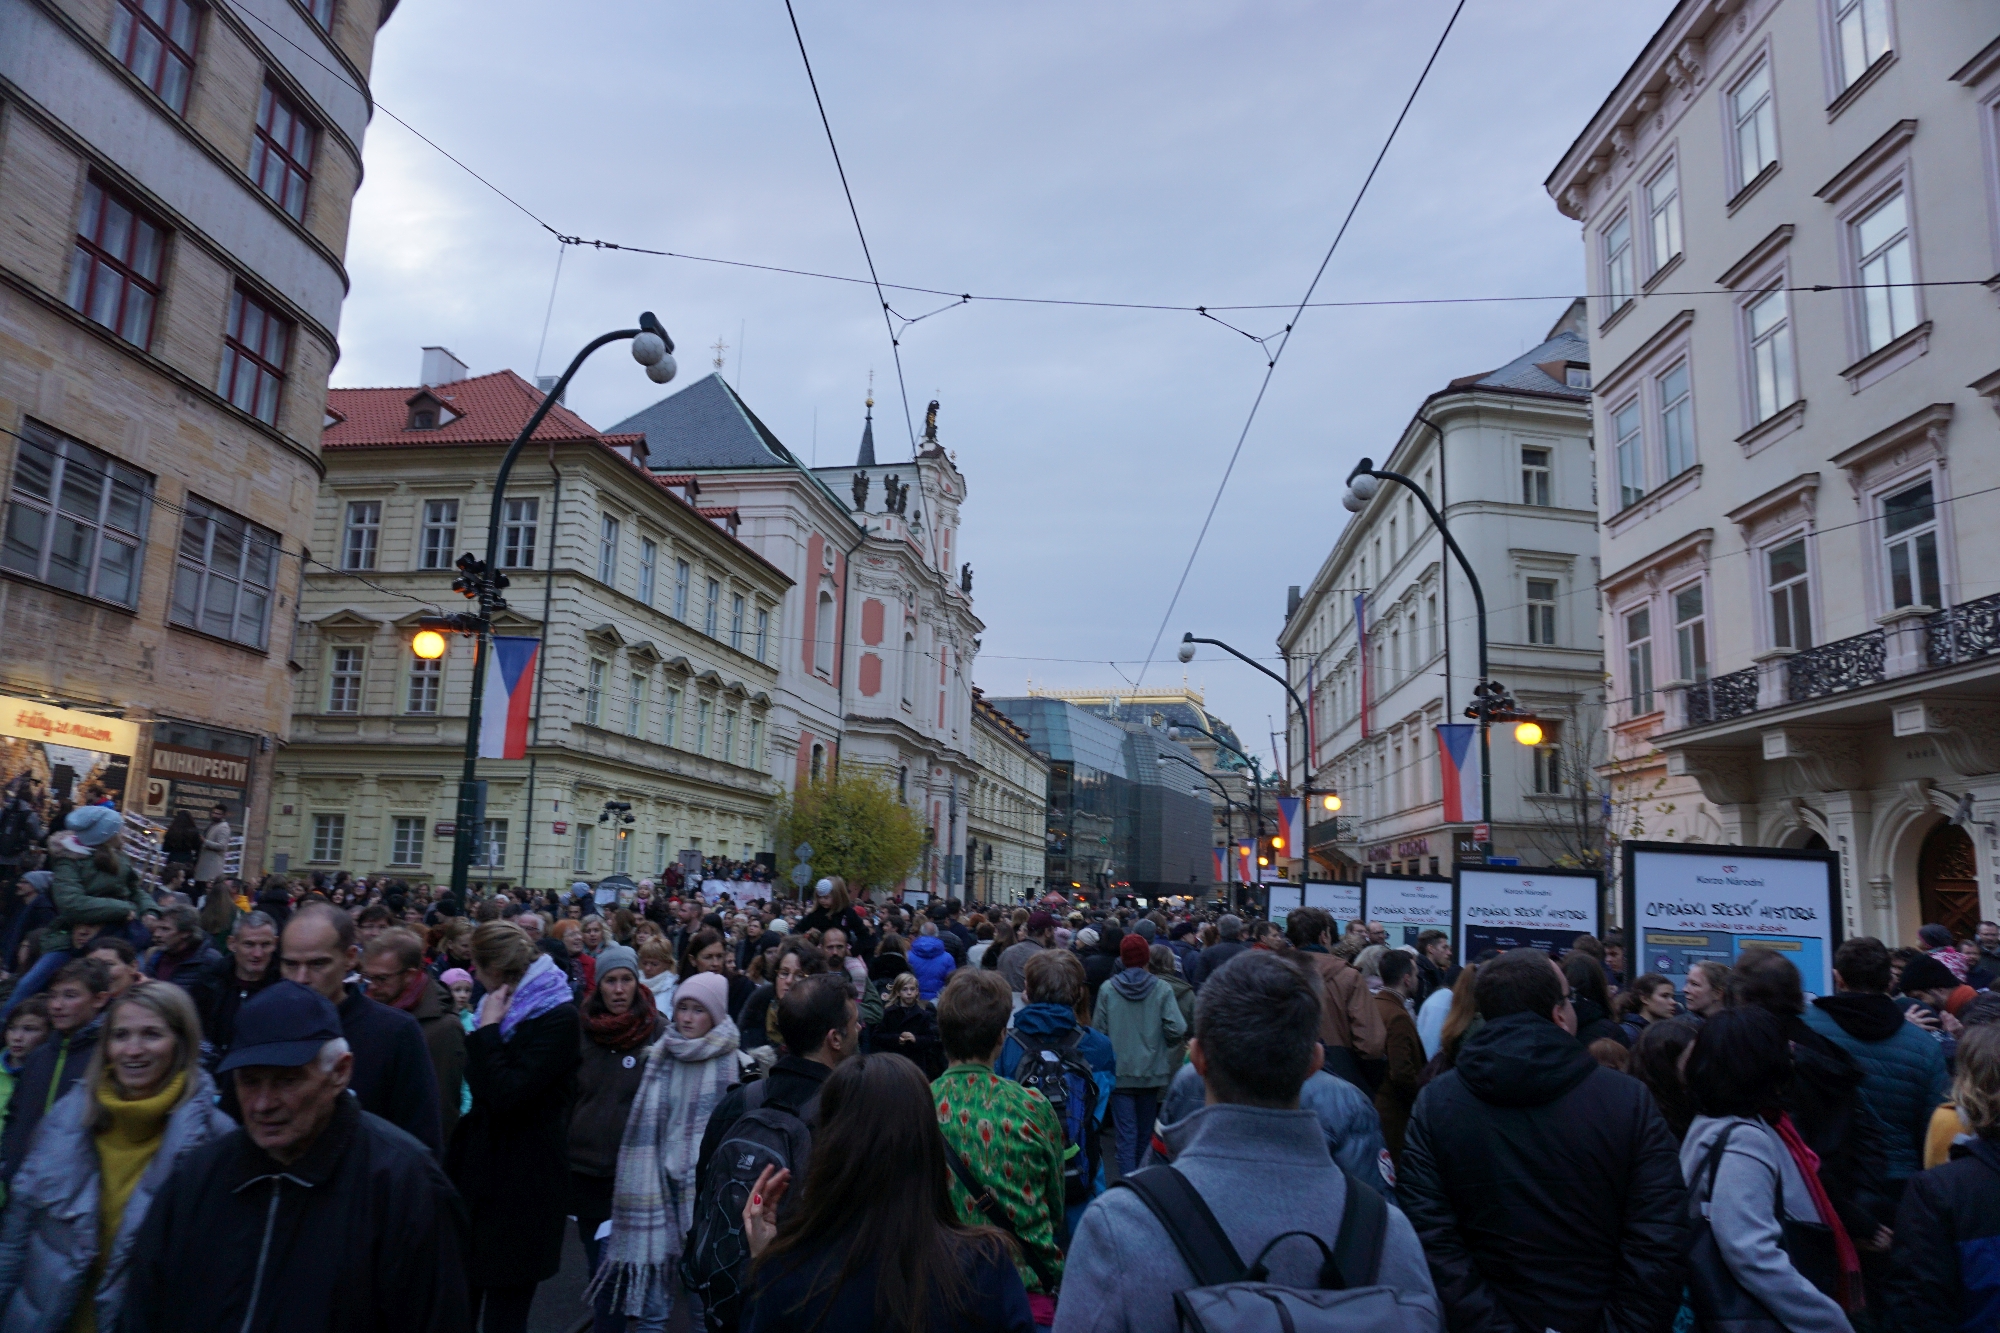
1060	1073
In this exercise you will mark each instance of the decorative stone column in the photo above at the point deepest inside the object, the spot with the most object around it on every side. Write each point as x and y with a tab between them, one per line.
1905	641
1772	678
1850	819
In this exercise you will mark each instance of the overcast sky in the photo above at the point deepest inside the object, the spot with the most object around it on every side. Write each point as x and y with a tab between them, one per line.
1172	152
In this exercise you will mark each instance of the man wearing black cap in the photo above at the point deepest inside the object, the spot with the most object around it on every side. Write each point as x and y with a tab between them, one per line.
315	1216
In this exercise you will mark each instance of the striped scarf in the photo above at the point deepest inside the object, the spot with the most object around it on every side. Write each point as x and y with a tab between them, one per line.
652	1198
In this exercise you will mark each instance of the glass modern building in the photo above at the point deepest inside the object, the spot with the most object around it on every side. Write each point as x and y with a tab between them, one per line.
1119	821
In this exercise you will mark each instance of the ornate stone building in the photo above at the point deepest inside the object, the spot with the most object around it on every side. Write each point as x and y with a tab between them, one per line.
175	179
1009	815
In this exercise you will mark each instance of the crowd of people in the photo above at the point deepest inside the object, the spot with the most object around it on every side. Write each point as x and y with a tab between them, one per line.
364	1104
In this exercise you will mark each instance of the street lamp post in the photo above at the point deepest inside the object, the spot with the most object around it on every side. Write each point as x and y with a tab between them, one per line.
1186	654
1490	702
1228	820
1256	777
483	582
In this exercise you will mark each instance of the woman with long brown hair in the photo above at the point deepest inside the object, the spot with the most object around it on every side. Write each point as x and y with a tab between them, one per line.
875	1243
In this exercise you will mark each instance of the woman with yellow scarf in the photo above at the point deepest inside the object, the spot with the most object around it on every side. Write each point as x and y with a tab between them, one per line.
97	1161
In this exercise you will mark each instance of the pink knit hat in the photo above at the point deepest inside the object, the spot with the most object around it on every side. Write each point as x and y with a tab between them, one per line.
711	989
456	975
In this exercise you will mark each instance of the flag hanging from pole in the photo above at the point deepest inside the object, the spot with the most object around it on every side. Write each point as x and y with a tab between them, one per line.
1221	864
1361	652
1288	824
509	697
1312	715
1243	866
1458	757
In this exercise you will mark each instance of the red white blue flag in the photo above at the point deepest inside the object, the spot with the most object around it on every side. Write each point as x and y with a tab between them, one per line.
1244	872
510	696
1288	825
1361	653
1221	864
1458	758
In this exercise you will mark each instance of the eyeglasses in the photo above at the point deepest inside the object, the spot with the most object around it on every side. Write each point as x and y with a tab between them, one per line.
1570	998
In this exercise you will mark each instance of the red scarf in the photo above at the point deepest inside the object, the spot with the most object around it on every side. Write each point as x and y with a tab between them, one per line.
412	992
1849	1291
621	1032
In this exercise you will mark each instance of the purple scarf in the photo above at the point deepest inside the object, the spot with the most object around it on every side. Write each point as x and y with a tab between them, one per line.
540	989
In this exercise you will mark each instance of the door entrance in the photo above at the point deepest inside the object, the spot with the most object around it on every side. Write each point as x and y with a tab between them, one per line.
1948	881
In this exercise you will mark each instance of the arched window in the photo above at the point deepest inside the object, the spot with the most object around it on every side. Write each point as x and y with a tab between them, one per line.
818	762
823	635
909	665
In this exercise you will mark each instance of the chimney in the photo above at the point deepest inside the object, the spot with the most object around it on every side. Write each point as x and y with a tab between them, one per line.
441	367
1292	600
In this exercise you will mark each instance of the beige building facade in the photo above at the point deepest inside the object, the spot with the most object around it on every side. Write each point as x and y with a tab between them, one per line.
648	730
1007	824
175	182
1790	212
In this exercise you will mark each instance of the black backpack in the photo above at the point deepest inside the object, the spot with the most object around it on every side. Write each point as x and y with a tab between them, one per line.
1061	1074
715	1262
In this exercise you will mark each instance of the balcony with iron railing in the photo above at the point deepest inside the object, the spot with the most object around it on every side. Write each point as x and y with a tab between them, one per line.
1916	640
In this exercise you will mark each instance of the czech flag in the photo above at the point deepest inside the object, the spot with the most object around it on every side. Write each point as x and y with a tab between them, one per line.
1288	825
1221	865
510	695
1458	757
1246	873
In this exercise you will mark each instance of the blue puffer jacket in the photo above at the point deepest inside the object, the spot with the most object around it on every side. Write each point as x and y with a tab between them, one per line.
932	964
1903	1073
49	1242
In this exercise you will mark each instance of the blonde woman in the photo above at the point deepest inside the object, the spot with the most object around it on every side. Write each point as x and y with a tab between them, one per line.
100	1157
1941	1273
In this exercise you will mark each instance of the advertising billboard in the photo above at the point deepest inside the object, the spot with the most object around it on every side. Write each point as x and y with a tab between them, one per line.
1507	908
1687	903
1343	900
1408	905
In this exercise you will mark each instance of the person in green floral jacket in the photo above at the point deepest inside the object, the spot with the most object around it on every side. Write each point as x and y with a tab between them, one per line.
1007	1137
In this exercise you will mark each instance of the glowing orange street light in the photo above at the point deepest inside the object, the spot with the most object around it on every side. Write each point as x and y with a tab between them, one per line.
428	644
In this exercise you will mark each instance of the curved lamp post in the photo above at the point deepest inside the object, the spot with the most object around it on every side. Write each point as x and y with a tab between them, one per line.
1490	701
482	581
1186	654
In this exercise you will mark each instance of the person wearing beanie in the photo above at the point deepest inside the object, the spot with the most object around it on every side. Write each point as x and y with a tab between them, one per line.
620	1024
1139	1013
1930	992
91	884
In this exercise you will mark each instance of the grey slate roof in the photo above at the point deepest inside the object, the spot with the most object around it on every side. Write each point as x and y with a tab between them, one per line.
867	455
705	425
1525	373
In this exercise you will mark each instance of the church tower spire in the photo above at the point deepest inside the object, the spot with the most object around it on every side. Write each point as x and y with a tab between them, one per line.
867	458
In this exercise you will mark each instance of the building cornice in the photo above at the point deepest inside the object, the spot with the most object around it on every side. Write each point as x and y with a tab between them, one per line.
1865	163
1695	544
1757	257
1608	383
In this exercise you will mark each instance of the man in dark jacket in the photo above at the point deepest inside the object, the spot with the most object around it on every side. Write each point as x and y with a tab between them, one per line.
819	1020
222	988
76	1008
1102	963
315	1216
183	948
392	1066
1228	943
1546	1188
392	967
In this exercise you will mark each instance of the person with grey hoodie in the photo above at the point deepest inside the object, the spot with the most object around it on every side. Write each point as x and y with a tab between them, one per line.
1256	1042
1746	1168
1138	1012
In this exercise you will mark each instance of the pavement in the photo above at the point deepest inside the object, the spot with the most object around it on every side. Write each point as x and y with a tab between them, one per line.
559	1306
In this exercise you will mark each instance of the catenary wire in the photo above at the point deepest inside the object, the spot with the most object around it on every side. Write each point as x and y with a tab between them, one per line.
1271	364
895	344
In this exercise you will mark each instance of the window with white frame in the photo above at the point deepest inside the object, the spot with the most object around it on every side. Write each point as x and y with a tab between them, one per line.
593	694
1754	120
343	689
1639	660
363	536
440	533
1863	30
1630	447
76	518
823	635
729	735
704	711
621	851
490	852
1534	476
518	529
763	635
736	621
670	729
649	565
1882	257
1768	326
1910	532
1690	633
329	838
1663	214
1617	244
636	703
712	610
757	742
1542	612
1676	420
580	859
1787	579
406	841
683	573
607	550
1548	767
426	684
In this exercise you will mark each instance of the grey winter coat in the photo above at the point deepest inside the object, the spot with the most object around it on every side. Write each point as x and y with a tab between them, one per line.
1743	1213
48	1241
214	847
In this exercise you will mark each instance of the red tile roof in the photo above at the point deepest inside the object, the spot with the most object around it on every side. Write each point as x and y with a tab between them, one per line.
491	409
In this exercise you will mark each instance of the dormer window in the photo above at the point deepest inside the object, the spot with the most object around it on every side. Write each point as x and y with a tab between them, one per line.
423	418
1576	376
428	412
